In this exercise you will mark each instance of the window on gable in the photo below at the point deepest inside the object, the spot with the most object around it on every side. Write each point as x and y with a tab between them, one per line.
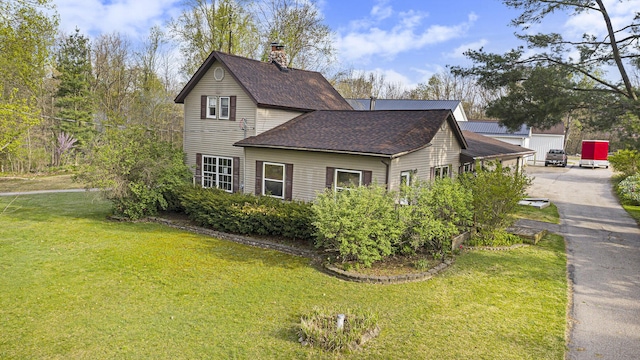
217	172
346	179
212	102
273	180
224	107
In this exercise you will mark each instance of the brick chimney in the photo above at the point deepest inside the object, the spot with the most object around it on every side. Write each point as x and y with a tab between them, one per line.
278	56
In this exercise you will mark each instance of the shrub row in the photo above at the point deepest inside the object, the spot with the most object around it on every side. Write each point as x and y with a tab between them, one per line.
367	224
247	214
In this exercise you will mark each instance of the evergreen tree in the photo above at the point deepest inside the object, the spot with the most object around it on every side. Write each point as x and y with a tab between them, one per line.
73	99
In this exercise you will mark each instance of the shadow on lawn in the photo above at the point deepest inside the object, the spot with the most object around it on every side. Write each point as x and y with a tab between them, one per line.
230	251
48	207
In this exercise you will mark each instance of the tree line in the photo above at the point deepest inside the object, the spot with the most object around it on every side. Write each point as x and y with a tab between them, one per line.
59	92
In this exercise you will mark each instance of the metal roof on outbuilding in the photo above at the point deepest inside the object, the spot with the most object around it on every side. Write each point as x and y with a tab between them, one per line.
493	128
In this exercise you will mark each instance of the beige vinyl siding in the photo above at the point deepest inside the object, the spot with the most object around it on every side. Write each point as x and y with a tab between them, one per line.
215	136
444	150
309	168
270	118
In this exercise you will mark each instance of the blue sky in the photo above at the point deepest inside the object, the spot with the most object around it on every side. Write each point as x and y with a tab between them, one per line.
406	40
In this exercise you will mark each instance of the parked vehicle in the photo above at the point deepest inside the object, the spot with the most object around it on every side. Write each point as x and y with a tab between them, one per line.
556	157
594	153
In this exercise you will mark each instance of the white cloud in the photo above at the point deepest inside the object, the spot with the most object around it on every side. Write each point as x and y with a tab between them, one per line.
591	22
381	10
361	46
427	72
128	17
458	53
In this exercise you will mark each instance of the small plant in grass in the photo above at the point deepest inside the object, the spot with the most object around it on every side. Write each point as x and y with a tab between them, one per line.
324	329
422	264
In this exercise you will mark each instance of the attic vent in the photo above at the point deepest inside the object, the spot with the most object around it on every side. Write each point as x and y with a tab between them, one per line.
218	73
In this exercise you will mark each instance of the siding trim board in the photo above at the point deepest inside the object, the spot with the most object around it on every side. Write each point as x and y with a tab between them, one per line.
258	187
329	151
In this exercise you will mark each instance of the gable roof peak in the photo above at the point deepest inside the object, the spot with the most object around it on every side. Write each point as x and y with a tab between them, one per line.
268	86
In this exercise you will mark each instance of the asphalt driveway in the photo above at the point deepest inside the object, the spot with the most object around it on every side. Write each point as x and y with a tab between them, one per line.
603	247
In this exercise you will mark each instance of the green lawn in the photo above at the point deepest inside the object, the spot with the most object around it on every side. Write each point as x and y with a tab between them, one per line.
549	214
26	183
75	286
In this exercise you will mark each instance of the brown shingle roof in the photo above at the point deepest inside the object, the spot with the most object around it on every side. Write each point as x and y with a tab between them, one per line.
268	86
378	133
484	147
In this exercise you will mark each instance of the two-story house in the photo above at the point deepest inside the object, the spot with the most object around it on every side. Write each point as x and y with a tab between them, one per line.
231	98
262	128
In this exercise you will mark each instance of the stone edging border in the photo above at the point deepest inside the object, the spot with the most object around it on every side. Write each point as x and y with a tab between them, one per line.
317	257
496	248
350	276
264	244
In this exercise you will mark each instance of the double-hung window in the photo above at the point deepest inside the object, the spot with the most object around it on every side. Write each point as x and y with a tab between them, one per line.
212	102
224	107
347	178
273	180
218	107
217	172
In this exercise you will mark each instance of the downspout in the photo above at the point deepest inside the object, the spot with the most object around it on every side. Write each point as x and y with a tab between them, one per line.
244	158
387	173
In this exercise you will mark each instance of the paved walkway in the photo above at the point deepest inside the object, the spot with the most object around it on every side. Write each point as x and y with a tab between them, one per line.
603	249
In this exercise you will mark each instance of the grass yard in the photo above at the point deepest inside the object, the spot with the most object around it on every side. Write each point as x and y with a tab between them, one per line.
50	182
76	286
549	214
633	211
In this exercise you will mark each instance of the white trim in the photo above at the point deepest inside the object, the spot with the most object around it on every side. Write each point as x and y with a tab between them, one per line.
226	185
228	107
335	177
405	175
439	171
264	179
218	73
210	100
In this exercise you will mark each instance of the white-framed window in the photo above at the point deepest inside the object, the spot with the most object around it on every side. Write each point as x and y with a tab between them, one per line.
347	178
405	178
224	107
217	171
467	167
443	171
273	180
212	103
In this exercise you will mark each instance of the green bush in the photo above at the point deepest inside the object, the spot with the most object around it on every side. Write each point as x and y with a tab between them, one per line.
629	190
626	162
319	329
496	193
435	212
136	170
359	224
247	214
